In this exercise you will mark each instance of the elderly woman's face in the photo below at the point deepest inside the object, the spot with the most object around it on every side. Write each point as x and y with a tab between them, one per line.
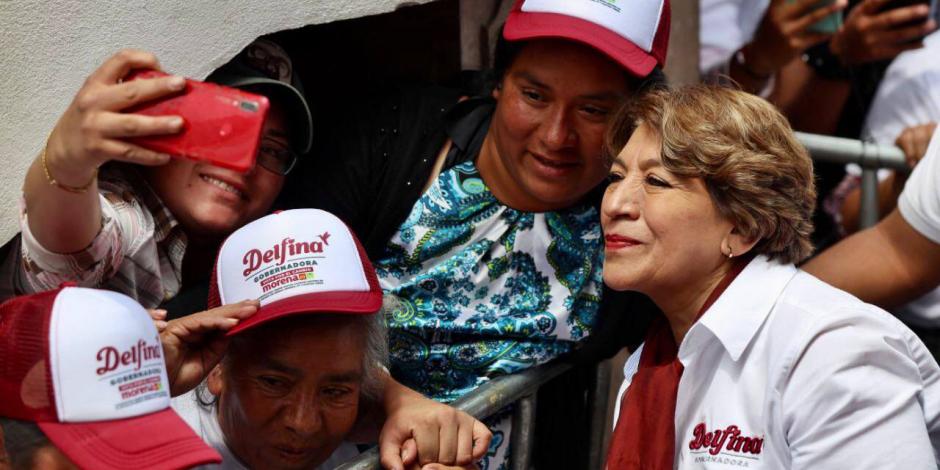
663	233
288	399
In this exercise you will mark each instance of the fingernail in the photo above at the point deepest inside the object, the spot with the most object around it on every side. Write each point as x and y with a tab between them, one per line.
160	324
177	83
176	121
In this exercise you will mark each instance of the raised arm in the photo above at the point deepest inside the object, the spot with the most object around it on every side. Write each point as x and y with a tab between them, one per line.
60	190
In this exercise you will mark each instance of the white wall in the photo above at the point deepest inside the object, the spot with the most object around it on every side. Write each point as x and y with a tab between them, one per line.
47	48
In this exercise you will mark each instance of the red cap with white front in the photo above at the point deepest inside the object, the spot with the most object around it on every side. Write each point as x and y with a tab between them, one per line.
294	262
634	33
87	366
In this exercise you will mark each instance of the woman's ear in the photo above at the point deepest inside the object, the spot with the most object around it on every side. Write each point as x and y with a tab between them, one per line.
736	244
497	90
214	381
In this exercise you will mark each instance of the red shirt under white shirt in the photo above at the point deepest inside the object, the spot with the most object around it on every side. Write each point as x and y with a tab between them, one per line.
784	371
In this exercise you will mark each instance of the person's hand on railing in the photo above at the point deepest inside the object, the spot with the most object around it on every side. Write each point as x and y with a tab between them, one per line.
420	431
914	140
870	34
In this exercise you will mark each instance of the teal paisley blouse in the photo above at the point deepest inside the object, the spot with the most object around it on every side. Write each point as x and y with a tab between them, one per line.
486	290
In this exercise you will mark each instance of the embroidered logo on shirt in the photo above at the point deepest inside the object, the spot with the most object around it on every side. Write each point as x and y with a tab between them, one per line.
728	440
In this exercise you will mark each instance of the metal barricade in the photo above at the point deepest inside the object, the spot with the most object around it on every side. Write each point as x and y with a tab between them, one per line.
869	156
490	398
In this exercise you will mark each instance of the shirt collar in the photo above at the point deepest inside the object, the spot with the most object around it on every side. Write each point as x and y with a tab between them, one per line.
740	311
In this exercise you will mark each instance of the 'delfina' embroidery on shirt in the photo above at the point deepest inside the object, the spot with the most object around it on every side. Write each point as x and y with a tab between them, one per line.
727	446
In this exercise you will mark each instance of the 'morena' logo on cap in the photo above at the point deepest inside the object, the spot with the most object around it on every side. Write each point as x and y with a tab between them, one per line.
254	258
136	356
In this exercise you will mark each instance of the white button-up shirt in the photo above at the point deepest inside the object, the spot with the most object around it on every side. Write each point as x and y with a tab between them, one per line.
784	371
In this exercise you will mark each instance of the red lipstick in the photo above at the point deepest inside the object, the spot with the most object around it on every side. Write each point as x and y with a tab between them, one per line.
616	242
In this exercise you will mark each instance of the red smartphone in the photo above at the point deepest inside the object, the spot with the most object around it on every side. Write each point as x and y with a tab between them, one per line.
221	125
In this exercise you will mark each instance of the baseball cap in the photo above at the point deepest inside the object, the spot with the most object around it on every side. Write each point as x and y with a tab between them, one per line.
295	262
264	67
87	366
635	34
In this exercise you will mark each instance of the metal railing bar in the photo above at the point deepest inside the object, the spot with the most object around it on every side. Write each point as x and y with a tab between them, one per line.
485	401
523	433
868	209
842	150
502	391
868	155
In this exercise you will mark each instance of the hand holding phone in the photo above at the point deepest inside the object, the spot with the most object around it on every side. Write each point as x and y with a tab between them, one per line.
787	30
880	30
830	23
221	125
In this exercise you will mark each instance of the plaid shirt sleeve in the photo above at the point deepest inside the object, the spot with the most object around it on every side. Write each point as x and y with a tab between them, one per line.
91	267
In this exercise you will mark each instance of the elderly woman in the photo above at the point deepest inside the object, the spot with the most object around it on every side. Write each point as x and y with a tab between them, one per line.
754	362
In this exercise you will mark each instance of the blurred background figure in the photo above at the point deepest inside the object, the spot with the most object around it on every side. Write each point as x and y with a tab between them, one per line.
819	62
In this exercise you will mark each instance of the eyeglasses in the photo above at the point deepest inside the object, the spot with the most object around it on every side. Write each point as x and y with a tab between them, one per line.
275	157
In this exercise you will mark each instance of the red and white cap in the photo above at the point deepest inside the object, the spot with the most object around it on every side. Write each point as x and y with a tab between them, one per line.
87	366
294	262
634	33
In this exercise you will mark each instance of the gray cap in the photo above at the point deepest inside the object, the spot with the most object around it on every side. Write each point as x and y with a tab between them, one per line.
264	67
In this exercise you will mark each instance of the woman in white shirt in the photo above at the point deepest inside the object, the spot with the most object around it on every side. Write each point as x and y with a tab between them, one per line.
708	210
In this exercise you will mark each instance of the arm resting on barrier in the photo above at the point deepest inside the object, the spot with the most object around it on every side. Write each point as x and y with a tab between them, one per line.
888	265
416	429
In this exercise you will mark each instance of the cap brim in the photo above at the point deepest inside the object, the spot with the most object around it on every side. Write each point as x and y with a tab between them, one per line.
299	111
160	440
358	302
530	25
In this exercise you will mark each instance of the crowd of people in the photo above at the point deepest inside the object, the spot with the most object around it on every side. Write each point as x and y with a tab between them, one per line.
163	312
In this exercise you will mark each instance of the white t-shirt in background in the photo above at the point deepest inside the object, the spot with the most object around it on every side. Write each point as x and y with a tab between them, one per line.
920	201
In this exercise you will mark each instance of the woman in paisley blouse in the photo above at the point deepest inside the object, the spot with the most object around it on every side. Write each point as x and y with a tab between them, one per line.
497	262
498	265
